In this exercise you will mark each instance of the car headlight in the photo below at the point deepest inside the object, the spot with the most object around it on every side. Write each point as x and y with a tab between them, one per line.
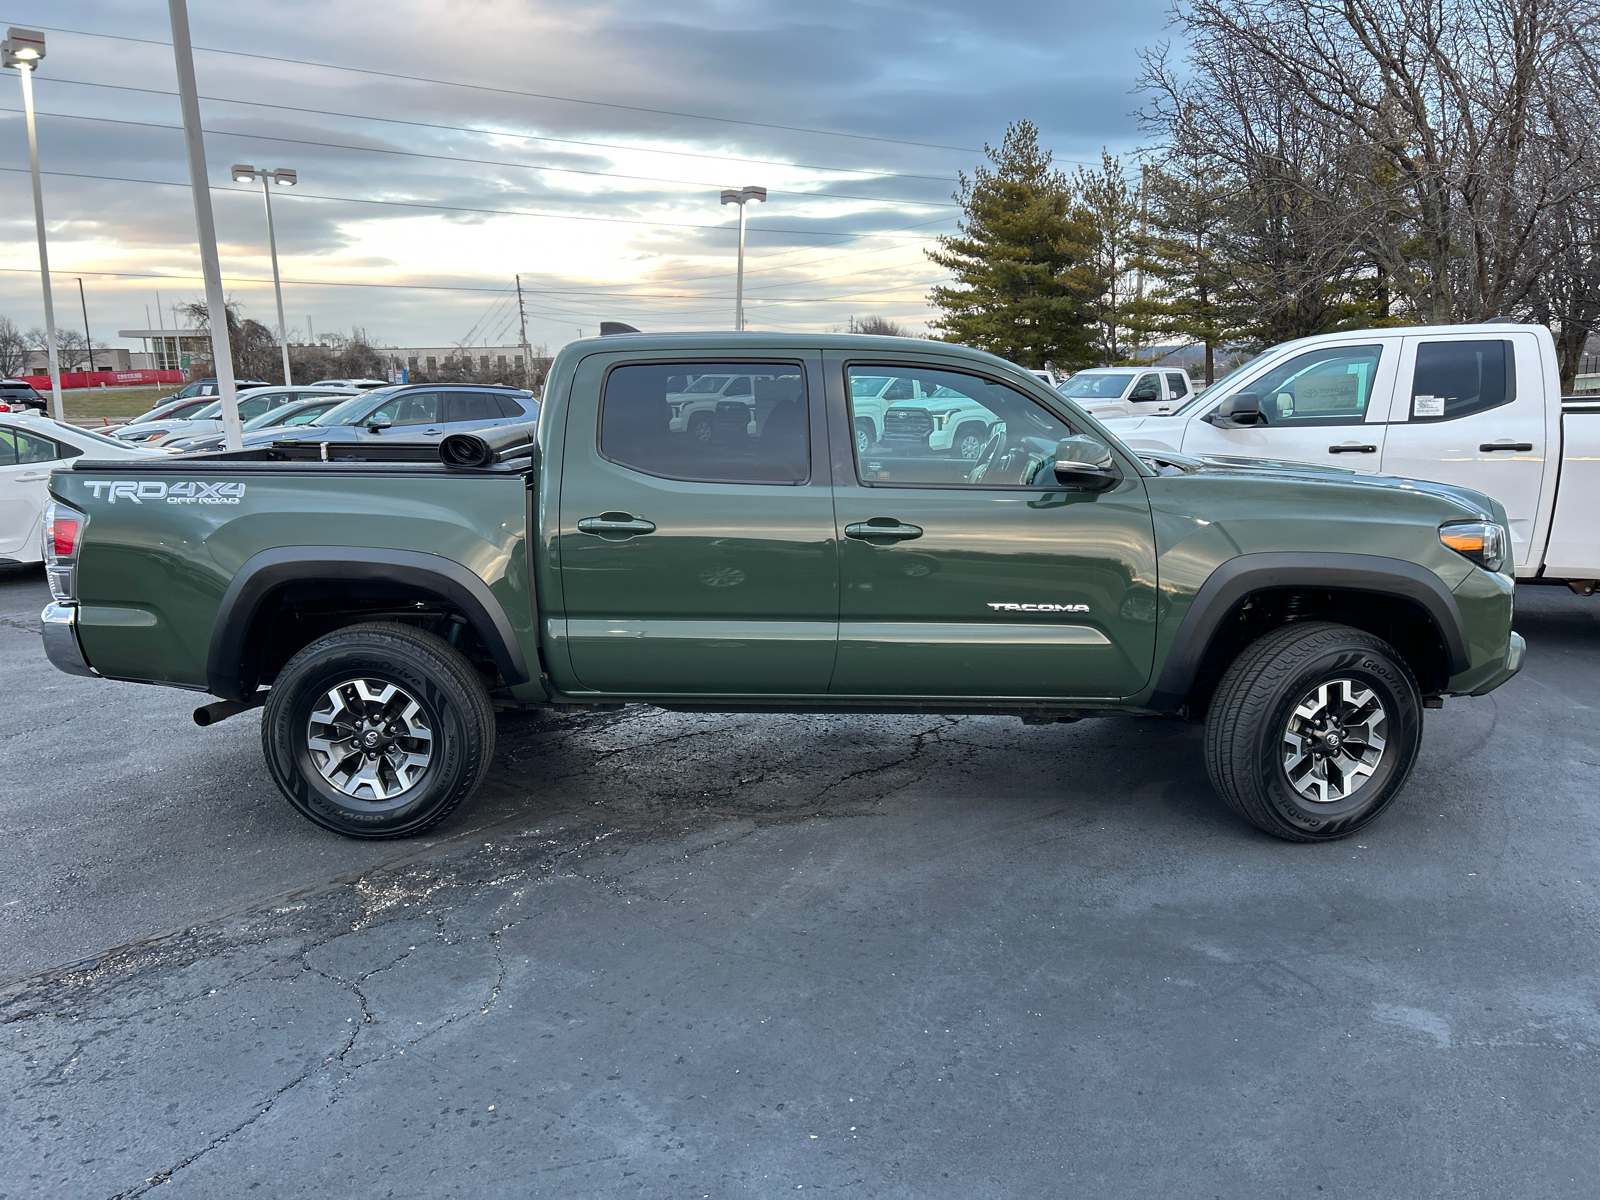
1482	541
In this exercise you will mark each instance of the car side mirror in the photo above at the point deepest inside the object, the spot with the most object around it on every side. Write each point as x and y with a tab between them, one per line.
378	421
1146	393
1242	410
1086	463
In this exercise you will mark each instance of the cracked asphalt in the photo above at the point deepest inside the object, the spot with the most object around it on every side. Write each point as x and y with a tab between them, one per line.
699	955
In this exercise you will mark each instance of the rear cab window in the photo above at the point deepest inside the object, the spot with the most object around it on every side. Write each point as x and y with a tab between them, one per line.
1458	378
708	422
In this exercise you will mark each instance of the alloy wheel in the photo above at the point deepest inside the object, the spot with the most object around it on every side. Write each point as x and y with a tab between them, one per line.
370	739
1334	740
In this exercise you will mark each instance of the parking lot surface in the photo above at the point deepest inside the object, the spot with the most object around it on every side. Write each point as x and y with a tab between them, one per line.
700	955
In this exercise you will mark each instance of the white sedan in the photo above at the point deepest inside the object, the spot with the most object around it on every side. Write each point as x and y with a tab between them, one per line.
30	448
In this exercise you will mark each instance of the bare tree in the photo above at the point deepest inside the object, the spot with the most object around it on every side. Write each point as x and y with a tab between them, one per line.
879	325
14	349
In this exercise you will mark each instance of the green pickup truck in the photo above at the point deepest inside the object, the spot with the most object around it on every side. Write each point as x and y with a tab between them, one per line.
383	601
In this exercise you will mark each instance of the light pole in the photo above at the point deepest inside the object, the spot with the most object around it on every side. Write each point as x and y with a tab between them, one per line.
741	197
283	177
23	49
88	339
205	223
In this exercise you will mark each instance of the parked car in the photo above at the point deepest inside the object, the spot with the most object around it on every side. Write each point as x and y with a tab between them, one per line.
181	407
256	403
1120	391
1474	405
287	416
30	448
18	395
944	421
413	411
1307	615
870	397
1046	374
360	385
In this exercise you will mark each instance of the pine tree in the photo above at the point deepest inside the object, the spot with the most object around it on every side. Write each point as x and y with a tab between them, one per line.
1190	295
1026	287
1113	212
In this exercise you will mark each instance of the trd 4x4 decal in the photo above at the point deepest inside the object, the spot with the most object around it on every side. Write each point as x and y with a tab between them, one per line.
188	492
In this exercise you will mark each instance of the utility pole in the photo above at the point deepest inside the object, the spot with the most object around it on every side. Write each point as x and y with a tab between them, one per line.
88	339
527	350
205	224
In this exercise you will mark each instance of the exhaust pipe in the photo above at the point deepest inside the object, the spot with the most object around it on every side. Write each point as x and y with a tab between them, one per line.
210	714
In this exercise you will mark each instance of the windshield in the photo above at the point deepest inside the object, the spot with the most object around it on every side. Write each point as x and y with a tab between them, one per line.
706	385
91	435
1223	387
206	413
351	410
1096	385
272	416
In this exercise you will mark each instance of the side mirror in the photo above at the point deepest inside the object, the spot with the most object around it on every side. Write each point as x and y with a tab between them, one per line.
1239	411
378	421
1086	463
1146	393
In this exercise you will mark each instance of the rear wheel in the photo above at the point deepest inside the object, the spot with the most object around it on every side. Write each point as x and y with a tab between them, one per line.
378	730
700	428
1313	731
863	437
969	440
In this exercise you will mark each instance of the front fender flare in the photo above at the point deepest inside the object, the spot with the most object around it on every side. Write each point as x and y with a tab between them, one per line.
1238	577
227	674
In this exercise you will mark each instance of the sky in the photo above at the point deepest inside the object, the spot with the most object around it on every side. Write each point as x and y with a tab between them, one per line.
443	148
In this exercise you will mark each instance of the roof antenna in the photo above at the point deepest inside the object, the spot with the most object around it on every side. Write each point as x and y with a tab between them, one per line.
607	328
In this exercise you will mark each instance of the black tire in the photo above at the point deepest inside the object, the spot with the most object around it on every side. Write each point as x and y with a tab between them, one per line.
453	720
969	440
1264	750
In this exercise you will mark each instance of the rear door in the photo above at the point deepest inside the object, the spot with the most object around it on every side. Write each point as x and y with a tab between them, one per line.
466	411
26	460
1326	406
981	577
693	565
1472	409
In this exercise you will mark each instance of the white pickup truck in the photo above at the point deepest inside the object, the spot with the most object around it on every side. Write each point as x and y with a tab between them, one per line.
1477	405
1128	391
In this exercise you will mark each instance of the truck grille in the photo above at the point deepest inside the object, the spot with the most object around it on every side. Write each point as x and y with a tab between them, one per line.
907	425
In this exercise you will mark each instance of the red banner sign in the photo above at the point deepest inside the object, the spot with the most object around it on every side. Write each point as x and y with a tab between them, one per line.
90	379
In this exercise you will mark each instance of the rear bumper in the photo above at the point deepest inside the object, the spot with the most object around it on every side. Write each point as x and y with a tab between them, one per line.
61	639
1515	650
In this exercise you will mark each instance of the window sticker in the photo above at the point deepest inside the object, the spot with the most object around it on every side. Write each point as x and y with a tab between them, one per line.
1427	406
1327	393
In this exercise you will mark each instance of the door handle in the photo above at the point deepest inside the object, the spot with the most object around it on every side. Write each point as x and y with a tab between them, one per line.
1491	447
882	530
1348	448
33	477
615	525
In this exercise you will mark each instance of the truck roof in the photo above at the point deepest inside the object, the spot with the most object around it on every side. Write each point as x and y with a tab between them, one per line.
725	340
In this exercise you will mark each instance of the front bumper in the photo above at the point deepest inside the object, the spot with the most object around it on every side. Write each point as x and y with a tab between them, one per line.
1515	650
61	640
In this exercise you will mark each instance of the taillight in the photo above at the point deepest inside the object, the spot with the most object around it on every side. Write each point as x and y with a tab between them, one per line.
63	539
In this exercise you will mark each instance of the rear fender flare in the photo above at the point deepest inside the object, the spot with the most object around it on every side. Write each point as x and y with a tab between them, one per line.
1237	578
227	674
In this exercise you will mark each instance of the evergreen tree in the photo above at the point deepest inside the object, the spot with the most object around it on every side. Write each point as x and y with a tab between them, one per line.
1026	286
1113	212
1190	294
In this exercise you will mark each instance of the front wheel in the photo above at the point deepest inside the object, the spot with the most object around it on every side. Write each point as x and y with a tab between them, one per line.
1313	731
378	730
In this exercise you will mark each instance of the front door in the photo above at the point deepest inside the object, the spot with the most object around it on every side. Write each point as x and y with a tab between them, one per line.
1326	406
980	577
1472	410
689	564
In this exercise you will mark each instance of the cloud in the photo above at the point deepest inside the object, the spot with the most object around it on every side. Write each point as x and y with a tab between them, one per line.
944	73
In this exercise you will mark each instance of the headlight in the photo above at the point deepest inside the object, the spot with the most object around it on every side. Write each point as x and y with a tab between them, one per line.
1481	541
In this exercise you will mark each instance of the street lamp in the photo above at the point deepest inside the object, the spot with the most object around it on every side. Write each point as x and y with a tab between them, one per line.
23	49
283	177
741	197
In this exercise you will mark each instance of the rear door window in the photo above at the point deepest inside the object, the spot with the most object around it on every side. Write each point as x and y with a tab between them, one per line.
1177	384
18	447
650	422
472	406
1457	379
510	408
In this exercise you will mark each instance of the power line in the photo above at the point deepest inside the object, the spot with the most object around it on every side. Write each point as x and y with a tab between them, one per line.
486	162
504	212
483	87
531	137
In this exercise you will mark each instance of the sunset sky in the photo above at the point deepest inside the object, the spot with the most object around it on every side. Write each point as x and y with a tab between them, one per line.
602	134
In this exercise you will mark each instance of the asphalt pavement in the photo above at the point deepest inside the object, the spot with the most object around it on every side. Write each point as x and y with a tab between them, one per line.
698	955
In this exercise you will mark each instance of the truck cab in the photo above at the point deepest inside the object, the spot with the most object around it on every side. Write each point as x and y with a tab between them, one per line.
1128	391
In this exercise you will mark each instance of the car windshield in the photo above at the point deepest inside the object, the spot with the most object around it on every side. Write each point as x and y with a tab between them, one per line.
101	438
706	385
206	413
1223	386
1096	385
352	409
271	417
